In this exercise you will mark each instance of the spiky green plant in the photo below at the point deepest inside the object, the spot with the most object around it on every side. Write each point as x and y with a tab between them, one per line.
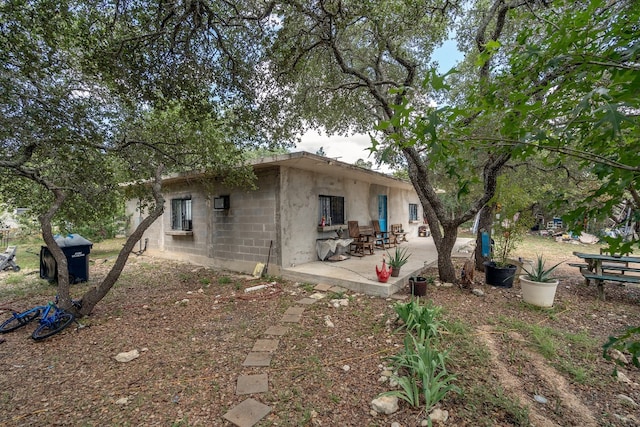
538	273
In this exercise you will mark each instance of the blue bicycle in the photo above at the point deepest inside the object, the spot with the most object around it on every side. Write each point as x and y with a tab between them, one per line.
52	320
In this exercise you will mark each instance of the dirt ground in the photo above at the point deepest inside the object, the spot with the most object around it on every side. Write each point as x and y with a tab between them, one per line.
194	327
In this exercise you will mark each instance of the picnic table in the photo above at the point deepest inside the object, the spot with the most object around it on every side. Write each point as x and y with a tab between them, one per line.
601	267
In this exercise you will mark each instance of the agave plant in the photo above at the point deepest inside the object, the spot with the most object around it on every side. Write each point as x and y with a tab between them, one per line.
538	273
399	258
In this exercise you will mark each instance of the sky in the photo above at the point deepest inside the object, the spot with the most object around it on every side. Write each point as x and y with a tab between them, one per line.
351	148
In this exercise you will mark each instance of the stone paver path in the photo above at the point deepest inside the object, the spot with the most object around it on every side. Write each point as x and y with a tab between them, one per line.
276	330
247	413
249	384
250	411
257	359
266	345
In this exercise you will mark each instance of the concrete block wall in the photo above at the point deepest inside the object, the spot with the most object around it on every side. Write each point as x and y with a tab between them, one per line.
243	234
234	239
299	208
195	244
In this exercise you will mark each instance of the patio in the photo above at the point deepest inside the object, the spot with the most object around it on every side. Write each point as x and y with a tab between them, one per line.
358	274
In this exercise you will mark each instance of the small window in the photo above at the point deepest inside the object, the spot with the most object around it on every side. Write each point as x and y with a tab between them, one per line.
413	212
181	214
332	210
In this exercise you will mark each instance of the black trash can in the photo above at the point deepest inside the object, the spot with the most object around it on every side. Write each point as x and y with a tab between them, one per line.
76	248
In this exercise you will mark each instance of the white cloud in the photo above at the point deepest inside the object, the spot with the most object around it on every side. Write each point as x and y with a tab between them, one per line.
344	148
347	149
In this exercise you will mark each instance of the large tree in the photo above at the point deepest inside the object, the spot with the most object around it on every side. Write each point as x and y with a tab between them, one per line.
94	95
354	65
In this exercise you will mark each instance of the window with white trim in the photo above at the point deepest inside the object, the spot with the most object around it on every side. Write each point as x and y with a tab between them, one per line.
181	214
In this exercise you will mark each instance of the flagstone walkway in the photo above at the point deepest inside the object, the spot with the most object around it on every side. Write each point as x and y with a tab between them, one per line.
250	411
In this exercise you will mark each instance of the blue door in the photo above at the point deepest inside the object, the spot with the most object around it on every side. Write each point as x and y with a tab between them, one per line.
382	211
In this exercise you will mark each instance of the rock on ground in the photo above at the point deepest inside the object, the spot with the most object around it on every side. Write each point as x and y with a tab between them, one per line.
385	404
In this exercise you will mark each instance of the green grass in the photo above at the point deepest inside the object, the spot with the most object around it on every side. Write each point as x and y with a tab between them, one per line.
533	245
570	353
483	399
308	287
336	295
224	280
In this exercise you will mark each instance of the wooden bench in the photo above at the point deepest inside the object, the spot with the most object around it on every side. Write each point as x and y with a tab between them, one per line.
601	267
620	268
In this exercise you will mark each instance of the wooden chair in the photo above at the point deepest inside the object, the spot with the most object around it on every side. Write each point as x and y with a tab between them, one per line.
398	233
360	242
380	238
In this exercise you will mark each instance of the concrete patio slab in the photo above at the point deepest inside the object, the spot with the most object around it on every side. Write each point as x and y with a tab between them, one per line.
250	384
307	301
247	413
358	274
257	359
276	330
265	345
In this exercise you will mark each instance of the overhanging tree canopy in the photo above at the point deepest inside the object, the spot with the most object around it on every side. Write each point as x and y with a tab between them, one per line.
95	96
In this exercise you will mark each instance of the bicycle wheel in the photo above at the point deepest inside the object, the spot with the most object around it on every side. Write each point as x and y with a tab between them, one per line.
19	320
45	330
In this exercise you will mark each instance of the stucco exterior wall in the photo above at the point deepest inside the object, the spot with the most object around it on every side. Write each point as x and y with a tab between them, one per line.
299	209
282	213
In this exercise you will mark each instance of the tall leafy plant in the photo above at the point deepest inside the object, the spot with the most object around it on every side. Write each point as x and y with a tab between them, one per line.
513	219
422	374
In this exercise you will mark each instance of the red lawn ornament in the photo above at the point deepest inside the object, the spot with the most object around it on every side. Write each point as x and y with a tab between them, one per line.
384	272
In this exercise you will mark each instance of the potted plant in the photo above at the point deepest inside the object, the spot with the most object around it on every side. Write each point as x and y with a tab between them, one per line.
397	260
538	287
508	232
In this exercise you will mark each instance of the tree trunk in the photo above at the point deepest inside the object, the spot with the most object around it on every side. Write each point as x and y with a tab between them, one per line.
446	270
63	296
95	294
444	228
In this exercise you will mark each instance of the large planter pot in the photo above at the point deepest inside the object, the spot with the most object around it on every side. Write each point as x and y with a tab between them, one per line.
499	275
540	294
418	286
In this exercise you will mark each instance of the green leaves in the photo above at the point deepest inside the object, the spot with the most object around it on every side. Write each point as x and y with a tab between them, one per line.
628	341
424	378
538	273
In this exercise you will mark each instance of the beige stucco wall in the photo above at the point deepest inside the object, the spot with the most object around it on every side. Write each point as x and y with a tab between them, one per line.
299	207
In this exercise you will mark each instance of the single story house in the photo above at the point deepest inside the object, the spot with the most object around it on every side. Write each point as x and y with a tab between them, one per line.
282	220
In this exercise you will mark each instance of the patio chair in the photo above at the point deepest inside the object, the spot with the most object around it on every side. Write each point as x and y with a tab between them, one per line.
8	259
360	241
398	233
381	238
